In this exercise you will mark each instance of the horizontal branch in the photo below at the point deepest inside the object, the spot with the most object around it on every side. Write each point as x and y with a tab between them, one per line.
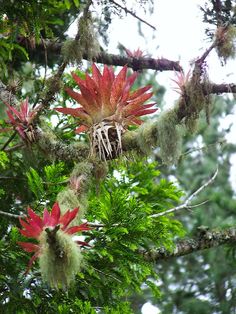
56	148
222	88
206	240
136	64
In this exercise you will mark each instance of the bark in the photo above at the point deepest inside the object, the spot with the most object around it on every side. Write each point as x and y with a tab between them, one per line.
206	239
136	64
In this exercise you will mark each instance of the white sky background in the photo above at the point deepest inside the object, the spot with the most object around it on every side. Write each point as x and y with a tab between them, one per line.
179	36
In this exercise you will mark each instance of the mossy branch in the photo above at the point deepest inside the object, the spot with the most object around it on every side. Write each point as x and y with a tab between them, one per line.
206	239
165	133
56	149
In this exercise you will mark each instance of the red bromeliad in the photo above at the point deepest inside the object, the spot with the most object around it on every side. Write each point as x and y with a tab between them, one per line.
181	81
138	53
108	107
22	120
48	226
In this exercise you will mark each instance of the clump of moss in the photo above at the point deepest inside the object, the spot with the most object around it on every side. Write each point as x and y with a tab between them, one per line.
146	138
69	199
169	136
225	37
194	99
100	169
86	42
59	261
87	36
72	51
75	195
83	171
165	133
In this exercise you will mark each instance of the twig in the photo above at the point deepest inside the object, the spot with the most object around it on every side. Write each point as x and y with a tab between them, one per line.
108	275
11	149
202	148
133	14
200	60
186	204
11	215
9	140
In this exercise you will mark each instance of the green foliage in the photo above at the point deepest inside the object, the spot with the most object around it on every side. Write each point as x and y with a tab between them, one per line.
3	160
35	183
124	206
49	182
126	200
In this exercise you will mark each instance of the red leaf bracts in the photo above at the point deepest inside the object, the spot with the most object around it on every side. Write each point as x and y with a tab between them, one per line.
22	120
138	53
106	96
107	107
33	226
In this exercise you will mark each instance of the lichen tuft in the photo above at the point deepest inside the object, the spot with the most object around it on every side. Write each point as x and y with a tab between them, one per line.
169	137
59	262
225	37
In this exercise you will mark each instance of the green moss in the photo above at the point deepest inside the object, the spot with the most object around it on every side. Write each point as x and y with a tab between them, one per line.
60	262
88	39
146	138
169	136
86	43
165	133
55	149
68	199
225	37
84	170
72	52
195	99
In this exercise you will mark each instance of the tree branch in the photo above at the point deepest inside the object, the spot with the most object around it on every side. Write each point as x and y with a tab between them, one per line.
187	203
51	146
136	64
205	240
133	14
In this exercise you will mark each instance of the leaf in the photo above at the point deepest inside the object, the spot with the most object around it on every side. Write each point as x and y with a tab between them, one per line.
68	4
35	183
76	2
3	160
22	50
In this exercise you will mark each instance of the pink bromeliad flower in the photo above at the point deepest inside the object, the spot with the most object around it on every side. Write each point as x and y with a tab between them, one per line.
138	53
108	107
22	120
55	244
181	81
